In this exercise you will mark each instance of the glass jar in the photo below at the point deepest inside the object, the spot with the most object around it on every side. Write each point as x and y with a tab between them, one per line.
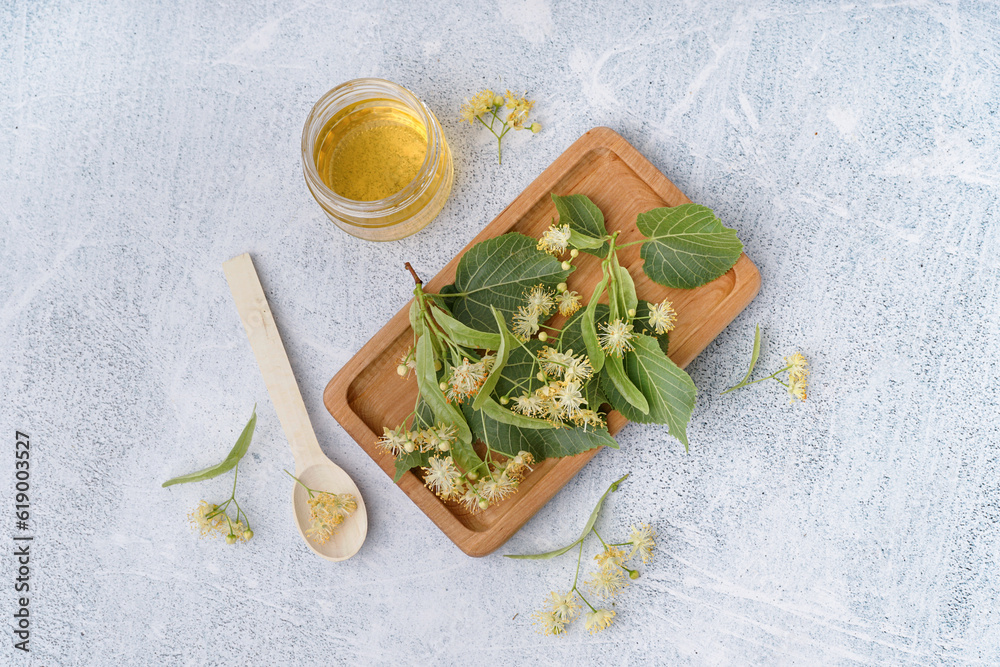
352	107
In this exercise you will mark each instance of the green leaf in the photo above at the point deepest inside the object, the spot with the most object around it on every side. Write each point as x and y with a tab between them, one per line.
614	370
445	412
464	335
582	215
228	463
586	529
520	368
409	461
668	390
542	443
497	272
687	246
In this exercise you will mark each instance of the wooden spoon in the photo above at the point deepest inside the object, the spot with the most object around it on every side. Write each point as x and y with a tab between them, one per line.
312	466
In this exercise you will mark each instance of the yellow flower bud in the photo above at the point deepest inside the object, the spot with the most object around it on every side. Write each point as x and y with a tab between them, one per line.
562	287
504	400
565	266
247	534
541	376
483	503
408	446
401	370
230	539
631	312
574	253
543	336
437	365
472	476
443	386
498	101
535	128
444	446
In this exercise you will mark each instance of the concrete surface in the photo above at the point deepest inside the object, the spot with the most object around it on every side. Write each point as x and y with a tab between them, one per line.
855	149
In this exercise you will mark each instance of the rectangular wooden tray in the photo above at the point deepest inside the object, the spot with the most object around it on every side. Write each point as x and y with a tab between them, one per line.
367	394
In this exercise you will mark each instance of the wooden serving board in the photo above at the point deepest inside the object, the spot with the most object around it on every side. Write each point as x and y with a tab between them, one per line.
367	394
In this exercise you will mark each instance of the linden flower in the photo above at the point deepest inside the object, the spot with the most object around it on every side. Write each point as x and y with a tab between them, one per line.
548	623
497	488
553	361
607	582
539	300
587	418
642	539
797	388
528	405
578	368
525	323
519	110
617	337
563	606
611	557
569	399
466	379
470	499
327	511
481	102
519	466
596	621
798	367
555	239
441	476
205	525
662	317
394	441
569	303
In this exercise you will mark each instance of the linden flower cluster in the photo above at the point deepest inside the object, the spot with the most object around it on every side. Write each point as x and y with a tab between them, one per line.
327	511
795	364
560	400
540	301
611	576
472	491
211	520
467	378
604	585
399	441
488	105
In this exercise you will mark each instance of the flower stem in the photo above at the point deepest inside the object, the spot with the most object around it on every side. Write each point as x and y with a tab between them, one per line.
310	491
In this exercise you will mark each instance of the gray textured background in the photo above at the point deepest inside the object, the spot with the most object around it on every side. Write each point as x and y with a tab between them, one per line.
853	147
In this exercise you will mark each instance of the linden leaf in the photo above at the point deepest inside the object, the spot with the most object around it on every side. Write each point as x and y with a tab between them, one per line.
687	245
228	463
668	390
497	272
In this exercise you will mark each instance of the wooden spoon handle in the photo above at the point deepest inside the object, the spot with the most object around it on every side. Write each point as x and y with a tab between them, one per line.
273	361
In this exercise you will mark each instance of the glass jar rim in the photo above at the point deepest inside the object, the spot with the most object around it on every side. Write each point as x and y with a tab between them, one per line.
320	114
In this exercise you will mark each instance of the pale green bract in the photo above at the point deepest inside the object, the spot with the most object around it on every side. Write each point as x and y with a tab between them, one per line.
228	463
586	529
687	246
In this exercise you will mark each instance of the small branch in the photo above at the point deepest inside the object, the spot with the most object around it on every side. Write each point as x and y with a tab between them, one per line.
413	273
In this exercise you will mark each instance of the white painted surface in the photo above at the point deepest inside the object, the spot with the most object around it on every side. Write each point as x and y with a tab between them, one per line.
854	148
